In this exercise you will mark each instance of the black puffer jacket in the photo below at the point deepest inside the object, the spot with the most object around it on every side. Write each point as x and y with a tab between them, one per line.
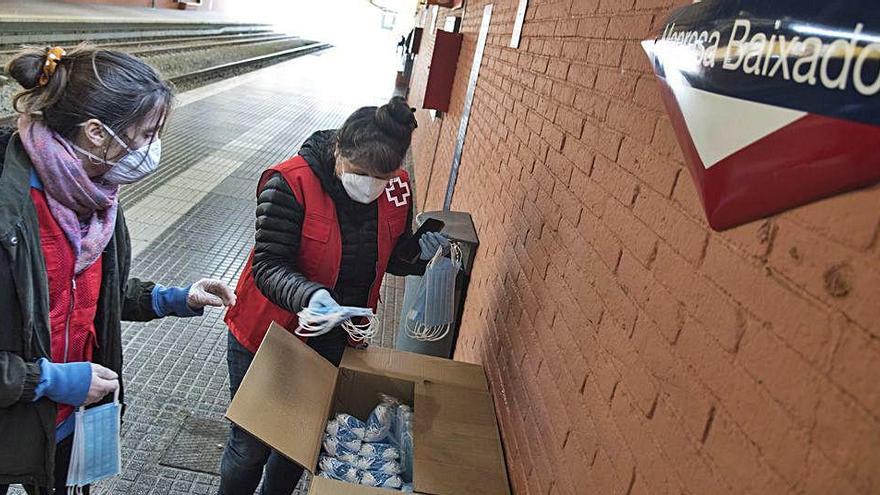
279	227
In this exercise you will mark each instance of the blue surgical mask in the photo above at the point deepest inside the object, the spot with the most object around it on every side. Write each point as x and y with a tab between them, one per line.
95	454
133	166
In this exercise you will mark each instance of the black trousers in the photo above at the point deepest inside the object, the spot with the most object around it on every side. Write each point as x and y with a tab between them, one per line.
62	463
247	460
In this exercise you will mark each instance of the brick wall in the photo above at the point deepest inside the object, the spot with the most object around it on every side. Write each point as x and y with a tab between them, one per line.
630	348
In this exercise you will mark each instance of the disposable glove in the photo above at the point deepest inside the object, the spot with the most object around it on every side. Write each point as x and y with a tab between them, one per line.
430	242
210	292
322	302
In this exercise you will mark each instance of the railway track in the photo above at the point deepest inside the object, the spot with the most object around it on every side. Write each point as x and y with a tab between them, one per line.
215	72
181	40
207	75
179	45
14	34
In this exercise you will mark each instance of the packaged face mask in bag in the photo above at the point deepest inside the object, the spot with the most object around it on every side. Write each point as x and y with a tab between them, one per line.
383	451
347	421
381	480
379	422
95	454
337	448
338	470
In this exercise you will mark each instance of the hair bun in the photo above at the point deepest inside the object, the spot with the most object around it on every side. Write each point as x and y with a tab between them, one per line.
27	67
396	119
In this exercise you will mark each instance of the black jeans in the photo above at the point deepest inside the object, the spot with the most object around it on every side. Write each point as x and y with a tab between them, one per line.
62	462
245	456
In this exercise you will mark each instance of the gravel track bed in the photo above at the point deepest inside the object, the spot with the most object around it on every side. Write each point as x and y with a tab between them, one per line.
176	64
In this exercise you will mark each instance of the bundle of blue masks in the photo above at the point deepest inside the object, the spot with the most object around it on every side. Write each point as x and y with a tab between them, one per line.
95	454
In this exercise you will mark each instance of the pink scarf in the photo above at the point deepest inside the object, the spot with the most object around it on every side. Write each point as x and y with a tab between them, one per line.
85	210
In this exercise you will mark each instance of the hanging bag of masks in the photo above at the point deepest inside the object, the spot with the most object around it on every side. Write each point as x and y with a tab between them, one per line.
432	313
95	454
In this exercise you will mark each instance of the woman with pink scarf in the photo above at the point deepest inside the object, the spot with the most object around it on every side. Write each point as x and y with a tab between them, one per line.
90	122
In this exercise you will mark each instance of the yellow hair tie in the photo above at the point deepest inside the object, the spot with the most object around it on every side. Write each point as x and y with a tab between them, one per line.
53	56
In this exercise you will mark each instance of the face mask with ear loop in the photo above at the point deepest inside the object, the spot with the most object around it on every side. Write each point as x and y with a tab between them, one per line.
313	323
431	315
362	188
133	166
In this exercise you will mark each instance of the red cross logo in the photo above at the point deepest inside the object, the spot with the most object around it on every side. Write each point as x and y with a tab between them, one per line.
397	192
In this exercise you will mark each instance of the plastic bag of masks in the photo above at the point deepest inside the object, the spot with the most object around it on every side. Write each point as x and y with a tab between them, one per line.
376	452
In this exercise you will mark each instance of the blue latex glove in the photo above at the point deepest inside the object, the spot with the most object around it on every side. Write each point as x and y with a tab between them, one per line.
322	302
430	242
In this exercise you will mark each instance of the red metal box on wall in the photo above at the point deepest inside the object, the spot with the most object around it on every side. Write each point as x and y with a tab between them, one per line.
441	74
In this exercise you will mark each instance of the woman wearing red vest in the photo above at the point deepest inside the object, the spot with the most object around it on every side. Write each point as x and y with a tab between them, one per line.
90	121
329	223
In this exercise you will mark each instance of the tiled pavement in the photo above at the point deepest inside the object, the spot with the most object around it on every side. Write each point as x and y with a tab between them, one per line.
195	219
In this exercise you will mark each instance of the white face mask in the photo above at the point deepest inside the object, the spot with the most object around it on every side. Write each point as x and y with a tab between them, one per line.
133	166
363	188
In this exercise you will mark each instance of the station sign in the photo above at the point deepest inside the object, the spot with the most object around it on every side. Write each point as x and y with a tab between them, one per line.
775	104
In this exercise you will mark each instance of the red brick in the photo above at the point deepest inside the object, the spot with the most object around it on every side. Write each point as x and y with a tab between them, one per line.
654	171
652	4
635	237
615	5
781	440
635	59
850	219
855	366
575	50
605	53
652	465
570	121
567	27
539	28
561	167
740	460
592	104
647	94
849	437
795	319
615	181
592	27
616	83
582	75
580	7
632	27
554	137
790	378
685	236
799	255
684	393
726	320
632	121
558	69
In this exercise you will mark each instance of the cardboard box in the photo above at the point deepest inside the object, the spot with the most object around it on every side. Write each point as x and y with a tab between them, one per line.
290	392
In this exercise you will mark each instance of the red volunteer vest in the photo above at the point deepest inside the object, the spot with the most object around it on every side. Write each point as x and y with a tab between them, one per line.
320	251
73	300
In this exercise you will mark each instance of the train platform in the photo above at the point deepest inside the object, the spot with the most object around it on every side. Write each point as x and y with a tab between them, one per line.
195	218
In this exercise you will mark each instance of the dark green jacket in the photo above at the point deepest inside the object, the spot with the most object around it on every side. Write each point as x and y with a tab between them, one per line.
27	428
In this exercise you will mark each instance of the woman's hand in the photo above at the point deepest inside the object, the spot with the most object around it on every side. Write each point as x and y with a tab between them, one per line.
210	292
430	242
104	381
322	302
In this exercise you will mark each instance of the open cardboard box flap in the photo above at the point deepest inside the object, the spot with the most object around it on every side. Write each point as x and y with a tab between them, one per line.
285	397
288	394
